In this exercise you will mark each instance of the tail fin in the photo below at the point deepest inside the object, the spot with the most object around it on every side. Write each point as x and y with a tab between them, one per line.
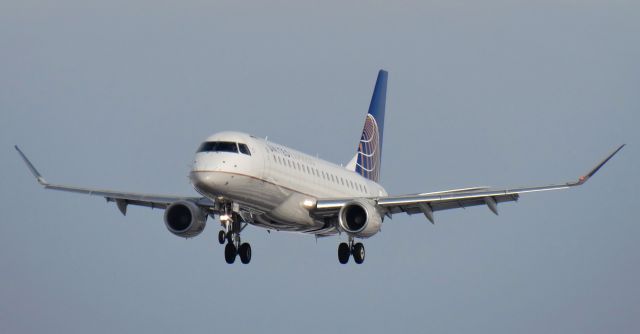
369	155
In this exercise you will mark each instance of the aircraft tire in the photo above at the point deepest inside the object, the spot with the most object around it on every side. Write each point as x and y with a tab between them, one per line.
343	253
245	253
230	253
358	253
222	237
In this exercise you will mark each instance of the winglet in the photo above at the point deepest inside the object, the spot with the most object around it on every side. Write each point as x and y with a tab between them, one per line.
586	177
33	170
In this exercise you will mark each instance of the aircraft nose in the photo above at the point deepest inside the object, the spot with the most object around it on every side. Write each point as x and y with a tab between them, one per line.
201	164
202	178
209	182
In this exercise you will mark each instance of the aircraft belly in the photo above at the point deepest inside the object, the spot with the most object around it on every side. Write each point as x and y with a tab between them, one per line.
282	208
291	215
244	189
270	222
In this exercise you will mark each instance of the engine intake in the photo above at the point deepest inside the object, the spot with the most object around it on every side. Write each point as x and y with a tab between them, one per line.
185	219
360	219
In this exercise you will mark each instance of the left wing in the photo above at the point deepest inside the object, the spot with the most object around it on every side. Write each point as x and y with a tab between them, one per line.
428	203
122	199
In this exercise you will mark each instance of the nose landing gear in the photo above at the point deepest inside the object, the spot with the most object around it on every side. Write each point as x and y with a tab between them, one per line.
230	253
231	235
245	253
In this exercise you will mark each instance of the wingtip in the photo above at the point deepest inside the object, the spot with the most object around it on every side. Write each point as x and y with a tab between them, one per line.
586	177
31	167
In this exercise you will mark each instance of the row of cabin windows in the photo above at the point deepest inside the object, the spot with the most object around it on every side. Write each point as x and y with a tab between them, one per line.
224	146
320	174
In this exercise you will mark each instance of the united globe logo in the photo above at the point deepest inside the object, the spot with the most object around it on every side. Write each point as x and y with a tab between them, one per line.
368	163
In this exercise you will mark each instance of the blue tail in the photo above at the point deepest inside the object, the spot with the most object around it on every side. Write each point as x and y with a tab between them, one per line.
369	156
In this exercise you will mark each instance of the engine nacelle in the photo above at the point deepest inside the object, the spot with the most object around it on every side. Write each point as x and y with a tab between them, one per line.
359	218
185	219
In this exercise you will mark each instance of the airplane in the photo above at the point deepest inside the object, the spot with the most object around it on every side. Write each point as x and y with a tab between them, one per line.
245	180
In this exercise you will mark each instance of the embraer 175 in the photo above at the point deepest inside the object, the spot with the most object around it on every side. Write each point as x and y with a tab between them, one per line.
248	180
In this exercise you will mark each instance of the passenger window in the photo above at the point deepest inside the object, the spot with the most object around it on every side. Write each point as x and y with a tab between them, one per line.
244	149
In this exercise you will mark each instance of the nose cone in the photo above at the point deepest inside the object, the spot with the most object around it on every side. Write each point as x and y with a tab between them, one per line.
198	178
210	183
201	162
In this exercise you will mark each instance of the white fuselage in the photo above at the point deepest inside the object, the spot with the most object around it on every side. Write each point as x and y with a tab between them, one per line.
276	183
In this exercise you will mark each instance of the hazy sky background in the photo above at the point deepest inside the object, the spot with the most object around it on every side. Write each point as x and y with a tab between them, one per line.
118	94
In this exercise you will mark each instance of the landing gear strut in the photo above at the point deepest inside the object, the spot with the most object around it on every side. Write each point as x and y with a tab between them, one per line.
347	249
231	235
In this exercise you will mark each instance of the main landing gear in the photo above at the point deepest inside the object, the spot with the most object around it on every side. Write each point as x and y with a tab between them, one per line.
231	235
347	249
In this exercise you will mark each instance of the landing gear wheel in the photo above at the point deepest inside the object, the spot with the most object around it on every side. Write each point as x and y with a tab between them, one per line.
343	253
358	253
222	237
230	253
245	253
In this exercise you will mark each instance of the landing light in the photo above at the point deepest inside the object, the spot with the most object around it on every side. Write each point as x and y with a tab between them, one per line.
309	203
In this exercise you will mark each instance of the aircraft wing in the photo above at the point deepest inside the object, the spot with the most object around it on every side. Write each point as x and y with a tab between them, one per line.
429	203
122	199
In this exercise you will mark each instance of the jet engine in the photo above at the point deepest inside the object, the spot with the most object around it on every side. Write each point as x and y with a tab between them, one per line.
359	218
185	219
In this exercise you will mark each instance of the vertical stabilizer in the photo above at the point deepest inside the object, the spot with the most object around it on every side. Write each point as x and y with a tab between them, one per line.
369	155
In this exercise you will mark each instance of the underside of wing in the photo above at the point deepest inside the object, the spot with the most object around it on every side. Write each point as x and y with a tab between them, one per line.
428	203
418	206
122	199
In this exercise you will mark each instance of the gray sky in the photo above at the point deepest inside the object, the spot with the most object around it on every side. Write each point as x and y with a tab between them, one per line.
118	94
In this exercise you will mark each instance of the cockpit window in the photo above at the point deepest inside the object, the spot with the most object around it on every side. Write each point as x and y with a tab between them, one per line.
244	149
218	146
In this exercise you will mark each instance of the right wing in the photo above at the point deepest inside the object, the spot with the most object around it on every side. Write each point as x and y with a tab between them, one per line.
122	199
428	203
